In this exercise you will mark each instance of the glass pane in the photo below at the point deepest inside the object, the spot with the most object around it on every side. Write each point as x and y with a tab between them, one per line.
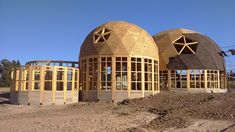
133	67
133	76
124	58
103	76
138	86
124	66
138	66
118	66
118	76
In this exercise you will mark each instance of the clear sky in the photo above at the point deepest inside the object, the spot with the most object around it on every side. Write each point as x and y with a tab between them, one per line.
55	29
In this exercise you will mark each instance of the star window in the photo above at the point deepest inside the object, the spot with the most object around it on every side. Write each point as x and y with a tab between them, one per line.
185	45
101	35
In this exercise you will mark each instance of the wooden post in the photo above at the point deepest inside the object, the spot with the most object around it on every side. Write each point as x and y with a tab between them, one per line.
17	80
205	78
113	78
73	82
20	79
65	83
12	86
54	81
30	83
87	78
142	76
42	83
24	79
78	81
129	76
188	80
169	79
158	76
99	75
33	79
153	76
218	79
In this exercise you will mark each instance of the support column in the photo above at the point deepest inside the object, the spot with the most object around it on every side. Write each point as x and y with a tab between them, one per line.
17	80
78	85
98	75
87	77
73	83
153	76
158	76
54	85
142	76
129	76
42	83
65	83
188	80
20	79
30	83
24	79
205	78
113	78
218	75
169	79
12	88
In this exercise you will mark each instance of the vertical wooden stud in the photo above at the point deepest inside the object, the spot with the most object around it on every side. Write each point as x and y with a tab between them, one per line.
188	80
65	83
54	85
129	76
142	76
113	78
42	83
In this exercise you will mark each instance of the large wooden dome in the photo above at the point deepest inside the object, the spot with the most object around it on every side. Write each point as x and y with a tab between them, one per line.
185	49
119	38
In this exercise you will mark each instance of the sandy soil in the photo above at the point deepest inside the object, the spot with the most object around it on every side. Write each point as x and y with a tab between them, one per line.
163	112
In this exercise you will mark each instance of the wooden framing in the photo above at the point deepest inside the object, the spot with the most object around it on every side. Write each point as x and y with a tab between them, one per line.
129	62
42	83
24	78
65	84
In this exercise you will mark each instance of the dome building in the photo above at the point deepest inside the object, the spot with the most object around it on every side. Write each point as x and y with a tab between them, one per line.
190	61
118	60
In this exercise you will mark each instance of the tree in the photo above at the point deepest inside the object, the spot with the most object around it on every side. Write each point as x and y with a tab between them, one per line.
6	67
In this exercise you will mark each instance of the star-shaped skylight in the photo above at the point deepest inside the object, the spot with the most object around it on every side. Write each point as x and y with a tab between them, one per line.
101	35
184	45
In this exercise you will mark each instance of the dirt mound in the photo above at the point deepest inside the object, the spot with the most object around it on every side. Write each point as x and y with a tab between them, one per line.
180	109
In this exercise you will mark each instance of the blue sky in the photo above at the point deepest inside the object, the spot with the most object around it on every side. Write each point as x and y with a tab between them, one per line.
55	29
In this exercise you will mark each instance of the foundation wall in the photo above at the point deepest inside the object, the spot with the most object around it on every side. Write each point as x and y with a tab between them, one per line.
24	98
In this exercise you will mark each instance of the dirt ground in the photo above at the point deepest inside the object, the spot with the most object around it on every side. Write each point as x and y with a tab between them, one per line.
168	112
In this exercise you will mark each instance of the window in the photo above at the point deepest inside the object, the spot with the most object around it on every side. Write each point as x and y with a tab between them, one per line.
93	73
163	79
148	74
106	73
197	79
121	73
212	79
179	79
101	35
48	78
185	45
135	73
83	73
156	88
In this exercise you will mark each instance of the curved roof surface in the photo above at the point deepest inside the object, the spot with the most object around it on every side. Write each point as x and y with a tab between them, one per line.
119	38
186	49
